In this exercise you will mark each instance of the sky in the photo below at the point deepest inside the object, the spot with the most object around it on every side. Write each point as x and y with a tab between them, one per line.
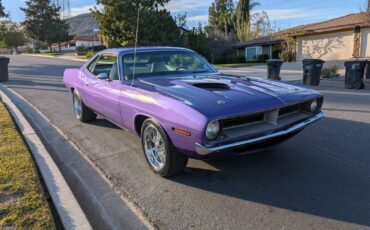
282	13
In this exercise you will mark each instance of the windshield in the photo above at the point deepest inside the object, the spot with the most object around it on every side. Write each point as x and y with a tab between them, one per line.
164	63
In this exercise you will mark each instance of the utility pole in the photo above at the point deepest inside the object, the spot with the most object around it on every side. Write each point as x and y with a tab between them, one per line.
368	6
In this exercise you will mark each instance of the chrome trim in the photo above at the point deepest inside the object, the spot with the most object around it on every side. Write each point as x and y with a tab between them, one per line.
201	150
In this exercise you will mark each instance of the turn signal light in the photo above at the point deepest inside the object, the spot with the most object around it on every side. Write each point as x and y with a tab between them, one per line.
182	132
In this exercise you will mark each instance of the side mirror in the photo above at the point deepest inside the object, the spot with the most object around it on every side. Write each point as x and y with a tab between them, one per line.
103	76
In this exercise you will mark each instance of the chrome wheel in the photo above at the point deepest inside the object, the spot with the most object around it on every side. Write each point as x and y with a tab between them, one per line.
77	105
154	147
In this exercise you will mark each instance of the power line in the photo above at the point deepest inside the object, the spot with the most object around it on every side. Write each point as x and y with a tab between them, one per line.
65	7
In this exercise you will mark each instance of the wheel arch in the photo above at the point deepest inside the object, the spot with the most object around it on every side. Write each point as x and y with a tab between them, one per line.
139	121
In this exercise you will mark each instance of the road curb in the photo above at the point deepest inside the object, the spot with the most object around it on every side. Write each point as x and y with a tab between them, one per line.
69	211
131	205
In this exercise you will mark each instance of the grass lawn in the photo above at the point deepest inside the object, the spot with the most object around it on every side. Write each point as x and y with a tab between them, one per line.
236	65
22	202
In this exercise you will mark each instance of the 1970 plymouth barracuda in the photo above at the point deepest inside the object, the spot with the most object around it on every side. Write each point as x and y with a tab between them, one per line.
182	107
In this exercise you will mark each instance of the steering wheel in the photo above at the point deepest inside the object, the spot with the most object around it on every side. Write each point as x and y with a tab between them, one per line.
182	67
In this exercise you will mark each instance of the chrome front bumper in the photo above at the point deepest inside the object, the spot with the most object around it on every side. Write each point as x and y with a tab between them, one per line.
202	150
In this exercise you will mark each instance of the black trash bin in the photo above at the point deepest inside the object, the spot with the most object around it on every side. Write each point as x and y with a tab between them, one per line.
312	71
273	69
367	69
355	71
4	75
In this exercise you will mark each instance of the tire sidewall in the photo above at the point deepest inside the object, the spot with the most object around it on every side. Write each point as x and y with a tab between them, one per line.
75	95
164	171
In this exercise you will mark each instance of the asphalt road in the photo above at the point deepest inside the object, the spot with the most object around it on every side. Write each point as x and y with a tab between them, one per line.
318	180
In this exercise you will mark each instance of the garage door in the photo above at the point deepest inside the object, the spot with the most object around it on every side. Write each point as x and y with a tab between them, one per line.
365	44
335	46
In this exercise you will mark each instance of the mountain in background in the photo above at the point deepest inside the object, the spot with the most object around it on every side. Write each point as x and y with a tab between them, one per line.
82	25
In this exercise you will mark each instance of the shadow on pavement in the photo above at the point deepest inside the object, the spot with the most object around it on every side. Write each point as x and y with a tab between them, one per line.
329	178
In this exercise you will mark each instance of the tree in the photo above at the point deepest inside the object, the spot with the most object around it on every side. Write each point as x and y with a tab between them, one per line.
12	36
222	16
118	21
289	44
243	18
2	10
198	41
43	22
61	34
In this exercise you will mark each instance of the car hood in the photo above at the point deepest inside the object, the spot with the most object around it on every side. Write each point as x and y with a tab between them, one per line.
219	95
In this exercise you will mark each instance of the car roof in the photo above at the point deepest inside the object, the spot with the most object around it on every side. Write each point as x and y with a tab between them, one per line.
144	49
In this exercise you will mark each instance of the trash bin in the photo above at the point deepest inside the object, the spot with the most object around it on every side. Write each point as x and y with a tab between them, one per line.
367	70
4	75
312	71
355	71
273	69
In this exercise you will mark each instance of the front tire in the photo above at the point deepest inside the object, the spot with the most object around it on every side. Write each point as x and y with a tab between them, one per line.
163	158
82	113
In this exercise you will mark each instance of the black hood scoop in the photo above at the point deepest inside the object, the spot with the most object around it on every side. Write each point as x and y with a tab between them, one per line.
211	85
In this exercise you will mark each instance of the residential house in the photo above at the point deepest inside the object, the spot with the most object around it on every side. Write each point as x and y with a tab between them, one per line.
338	39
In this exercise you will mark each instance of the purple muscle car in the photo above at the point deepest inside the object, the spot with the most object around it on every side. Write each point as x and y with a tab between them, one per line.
182	107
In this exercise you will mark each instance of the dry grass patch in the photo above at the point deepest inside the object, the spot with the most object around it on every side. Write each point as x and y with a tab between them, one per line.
22	202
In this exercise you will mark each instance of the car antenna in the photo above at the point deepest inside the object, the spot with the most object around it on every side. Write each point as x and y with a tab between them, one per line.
136	41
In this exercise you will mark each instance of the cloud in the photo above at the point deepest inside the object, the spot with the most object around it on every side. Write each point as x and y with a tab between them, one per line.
293	13
199	18
188	5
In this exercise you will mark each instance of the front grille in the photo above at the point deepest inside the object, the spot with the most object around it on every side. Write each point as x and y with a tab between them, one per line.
262	122
234	122
289	110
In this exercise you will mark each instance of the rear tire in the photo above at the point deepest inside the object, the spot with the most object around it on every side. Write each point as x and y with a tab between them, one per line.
82	113
163	158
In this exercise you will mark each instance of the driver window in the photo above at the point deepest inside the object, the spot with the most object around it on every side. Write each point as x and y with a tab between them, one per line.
107	63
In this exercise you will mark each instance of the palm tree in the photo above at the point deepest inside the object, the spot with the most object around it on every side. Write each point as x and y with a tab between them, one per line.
243	18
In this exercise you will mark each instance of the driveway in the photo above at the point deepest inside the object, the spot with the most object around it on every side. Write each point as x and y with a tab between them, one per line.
317	180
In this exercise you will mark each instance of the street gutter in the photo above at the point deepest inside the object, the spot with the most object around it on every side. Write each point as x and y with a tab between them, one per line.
69	210
104	207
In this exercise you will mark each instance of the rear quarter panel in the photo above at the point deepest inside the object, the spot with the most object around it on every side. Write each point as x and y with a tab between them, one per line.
72	78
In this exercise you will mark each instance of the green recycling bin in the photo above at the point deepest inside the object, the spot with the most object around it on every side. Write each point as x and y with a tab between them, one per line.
312	71
273	69
355	71
4	74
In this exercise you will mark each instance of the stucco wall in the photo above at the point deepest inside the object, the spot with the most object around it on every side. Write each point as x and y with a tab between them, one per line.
365	44
328	47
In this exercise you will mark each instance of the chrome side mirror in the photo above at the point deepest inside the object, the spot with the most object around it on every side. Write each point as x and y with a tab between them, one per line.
103	76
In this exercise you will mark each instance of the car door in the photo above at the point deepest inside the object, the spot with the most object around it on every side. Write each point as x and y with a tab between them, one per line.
104	94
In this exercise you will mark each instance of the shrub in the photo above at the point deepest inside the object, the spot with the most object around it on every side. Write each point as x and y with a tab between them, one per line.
29	50
330	71
263	58
238	59
81	50
90	54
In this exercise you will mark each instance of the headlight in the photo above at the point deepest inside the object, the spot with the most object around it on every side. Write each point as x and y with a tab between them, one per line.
314	106
213	130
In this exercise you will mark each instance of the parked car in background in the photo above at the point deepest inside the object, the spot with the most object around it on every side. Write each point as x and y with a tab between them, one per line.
181	106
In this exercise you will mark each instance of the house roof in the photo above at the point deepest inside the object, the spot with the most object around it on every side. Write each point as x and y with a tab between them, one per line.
265	40
346	22
342	23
